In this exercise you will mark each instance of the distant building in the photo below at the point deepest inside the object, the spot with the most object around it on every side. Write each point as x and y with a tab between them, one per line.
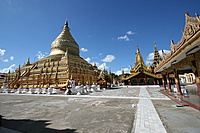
140	74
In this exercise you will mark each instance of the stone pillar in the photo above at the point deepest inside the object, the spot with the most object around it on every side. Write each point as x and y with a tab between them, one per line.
177	83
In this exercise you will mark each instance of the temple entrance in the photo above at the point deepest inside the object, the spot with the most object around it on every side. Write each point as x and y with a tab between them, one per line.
142	82
150	82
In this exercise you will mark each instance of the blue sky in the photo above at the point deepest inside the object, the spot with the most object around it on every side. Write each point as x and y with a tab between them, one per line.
107	31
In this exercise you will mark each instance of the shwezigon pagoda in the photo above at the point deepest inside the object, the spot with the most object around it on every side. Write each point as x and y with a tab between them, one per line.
63	63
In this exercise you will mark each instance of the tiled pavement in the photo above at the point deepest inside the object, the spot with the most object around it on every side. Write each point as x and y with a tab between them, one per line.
147	118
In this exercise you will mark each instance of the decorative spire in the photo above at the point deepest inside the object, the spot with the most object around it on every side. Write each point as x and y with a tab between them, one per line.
28	62
19	69
63	41
163	54
157	56
94	64
154	45
122	71
139	64
139	59
137	49
66	22
172	42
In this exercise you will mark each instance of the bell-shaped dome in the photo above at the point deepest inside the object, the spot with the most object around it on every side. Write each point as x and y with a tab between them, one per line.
64	41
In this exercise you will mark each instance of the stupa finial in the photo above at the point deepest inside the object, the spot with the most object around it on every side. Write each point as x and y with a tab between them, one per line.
66	22
155	45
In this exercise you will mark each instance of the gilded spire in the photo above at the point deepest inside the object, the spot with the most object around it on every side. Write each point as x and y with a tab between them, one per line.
28	62
139	63
139	59
122	71
66	22
63	41
95	65
157	56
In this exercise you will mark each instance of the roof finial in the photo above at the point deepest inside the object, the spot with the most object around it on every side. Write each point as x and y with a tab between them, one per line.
172	42
155	45
137	49
66	22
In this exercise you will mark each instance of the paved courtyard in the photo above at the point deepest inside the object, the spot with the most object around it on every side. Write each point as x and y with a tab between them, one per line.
117	110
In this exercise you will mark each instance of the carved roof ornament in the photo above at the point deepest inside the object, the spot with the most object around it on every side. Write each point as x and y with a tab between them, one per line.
164	55
173	46
192	25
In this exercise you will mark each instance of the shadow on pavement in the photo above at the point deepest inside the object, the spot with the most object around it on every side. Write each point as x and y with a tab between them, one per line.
32	126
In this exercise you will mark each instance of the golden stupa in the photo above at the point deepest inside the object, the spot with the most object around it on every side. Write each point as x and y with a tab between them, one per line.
63	63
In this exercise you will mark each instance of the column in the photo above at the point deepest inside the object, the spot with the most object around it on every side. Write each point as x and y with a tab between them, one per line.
177	82
196	64
197	81
154	81
163	81
169	83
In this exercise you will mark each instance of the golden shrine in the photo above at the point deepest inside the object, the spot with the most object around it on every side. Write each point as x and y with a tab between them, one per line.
56	69
140	74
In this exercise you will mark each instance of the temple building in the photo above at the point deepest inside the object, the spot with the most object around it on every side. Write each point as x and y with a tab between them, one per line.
184	56
140	74
63	63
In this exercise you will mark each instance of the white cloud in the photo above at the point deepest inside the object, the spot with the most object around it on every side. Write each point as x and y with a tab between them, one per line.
125	37
148	62
108	58
2	52
40	55
11	68
150	56
11	58
88	60
102	66
119	72
100	53
84	50
130	32
4	60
